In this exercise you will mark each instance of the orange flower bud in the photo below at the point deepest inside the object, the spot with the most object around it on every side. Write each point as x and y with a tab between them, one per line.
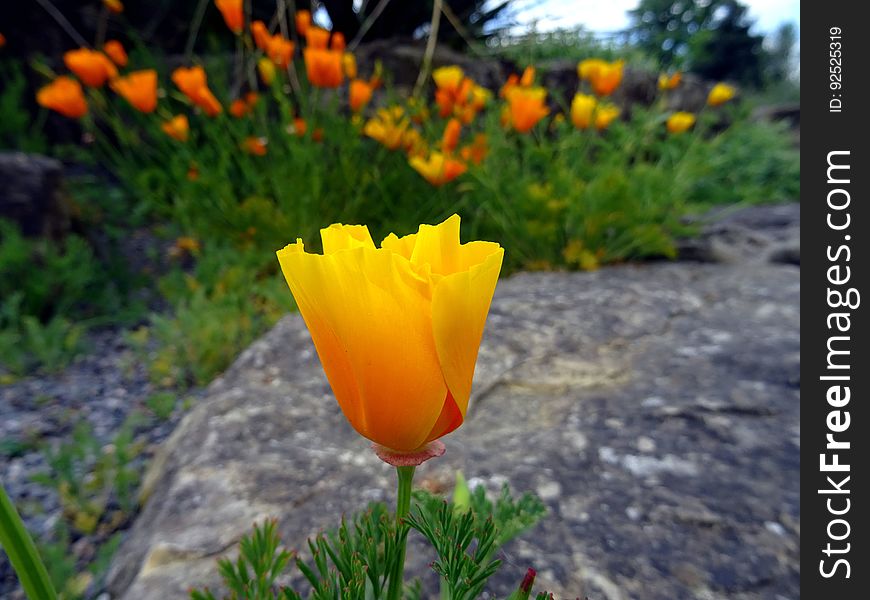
280	51
178	128
527	107
261	34
255	146
338	43
303	22
234	17
680	122
360	94
720	94
323	67
450	139
114	6
317	38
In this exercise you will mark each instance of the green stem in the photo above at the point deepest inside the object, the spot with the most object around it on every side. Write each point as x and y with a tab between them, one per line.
403	506
15	540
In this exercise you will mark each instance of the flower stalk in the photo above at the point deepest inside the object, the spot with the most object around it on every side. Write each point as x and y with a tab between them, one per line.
403	507
22	553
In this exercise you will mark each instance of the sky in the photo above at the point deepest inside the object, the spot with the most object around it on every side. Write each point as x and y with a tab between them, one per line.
603	16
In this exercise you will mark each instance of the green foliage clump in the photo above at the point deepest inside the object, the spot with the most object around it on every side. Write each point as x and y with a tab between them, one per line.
354	562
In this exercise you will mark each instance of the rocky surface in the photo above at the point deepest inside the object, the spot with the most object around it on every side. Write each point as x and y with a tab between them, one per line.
654	408
756	234
31	194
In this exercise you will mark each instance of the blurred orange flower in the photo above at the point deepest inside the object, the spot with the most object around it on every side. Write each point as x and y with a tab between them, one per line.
476	151
116	52
139	88
513	81
448	83
255	146
323	66
720	94
178	128
317	37
93	68
299	127
437	169
238	108
280	50
606	77
360	94
261	34
338	42
192	83
528	78
670	82
114	6
586	68
2	40
303	22
680	122
526	107
231	10
63	95
450	138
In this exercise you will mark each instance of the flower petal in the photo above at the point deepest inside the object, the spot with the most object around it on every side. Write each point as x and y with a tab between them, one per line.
460	303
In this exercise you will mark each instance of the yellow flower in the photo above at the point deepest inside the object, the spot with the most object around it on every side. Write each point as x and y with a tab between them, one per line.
605	115
586	68
680	122
670	82
266	69
720	94
397	328
438	168
582	108
606	77
388	127
348	63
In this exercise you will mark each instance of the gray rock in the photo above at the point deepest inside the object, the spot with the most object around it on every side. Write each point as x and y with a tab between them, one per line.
700	362
761	233
31	194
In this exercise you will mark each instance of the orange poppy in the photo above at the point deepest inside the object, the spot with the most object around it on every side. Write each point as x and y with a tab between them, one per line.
116	52
528	78
303	22
360	93
605	115
476	151
63	95
348	65
93	68
720	94
323	66
338	43
114	6
261	34
234	17
450	138
526	107
670	82
403	375
238	108
139	88
513	81
178	128
582	110
299	127
280	50
606	77
255	146
388	127
317	37
193	84
266	69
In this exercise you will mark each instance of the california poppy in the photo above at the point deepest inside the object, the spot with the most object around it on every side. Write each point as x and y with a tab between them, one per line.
261	34
116	52
303	22
606	77
93	68
348	65
679	122
438	168
114	6
231	10
63	95
280	50
193	84
670	82
450	139
255	146
178	128
526	107
323	67
317	37
388	127
605	115
360	93
266	69
139	88
582	109
397	328
476	151
720	94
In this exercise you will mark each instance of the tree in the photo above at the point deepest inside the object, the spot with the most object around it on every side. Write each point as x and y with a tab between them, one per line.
710	37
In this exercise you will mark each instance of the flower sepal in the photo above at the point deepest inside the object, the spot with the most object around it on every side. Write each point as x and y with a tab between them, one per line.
433	449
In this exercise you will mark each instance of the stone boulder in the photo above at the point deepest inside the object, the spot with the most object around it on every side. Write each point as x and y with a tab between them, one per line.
31	194
654	408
